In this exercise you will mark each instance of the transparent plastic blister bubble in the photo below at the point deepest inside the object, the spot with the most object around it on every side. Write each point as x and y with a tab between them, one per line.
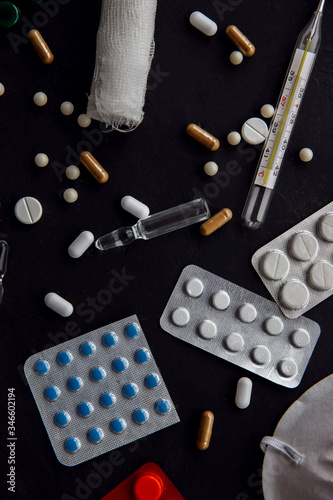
99	391
239	326
297	266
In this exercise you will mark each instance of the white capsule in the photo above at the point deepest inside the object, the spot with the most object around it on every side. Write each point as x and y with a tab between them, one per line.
2	89
70	195
234	138
72	172
236	57
41	160
243	393
84	120
80	244
134	207
58	304
203	23
306	154
211	168
254	131
66	108
40	99
267	111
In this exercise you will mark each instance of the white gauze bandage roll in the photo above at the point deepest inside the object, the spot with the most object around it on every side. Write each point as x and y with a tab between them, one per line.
125	48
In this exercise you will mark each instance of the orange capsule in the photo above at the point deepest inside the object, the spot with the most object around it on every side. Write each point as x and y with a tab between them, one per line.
95	168
205	138
240	40
205	430
41	47
218	220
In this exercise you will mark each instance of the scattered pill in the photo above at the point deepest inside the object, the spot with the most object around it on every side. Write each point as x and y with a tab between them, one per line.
240	40
9	14
205	430
28	210
254	131
93	167
134	207
261	355
67	108
80	244
42	49
72	172
221	300
234	342
243	393
287	368
180	316
2	89
247	313
205	138
294	295
275	265
84	120
300	338
58	304
194	287
234	138
325	227
41	160
306	154
274	325
303	246
70	195
321	276
218	220
40	99
207	329
267	111
203	23
236	57
211	168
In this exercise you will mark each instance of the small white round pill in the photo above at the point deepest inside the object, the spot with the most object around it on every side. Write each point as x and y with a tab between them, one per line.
275	265
207	329
234	138
325	227
236	57
287	368
261	355
234	342
84	120
72	172
58	304
303	246
180	316
203	23
2	89
243	393
221	300
274	325
300	338
306	154
211	168
41	160
267	111
254	131
294	295
40	99
70	195
247	313
134	207
66	108
80	244
28	210
321	276
194	288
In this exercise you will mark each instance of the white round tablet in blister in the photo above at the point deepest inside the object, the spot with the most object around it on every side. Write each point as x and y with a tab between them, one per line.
287	368
194	288
321	276
247	313
275	265
325	227
180	316
294	295
221	300
274	325
300	338
261	355
207	329
303	246
234	342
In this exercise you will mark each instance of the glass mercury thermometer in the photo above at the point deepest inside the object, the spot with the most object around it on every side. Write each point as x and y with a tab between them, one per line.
283	121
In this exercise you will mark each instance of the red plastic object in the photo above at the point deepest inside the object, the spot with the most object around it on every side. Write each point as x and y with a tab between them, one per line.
147	483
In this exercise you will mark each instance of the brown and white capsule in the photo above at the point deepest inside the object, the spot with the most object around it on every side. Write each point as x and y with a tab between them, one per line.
240	40
218	220
42	49
203	137
94	167
205	430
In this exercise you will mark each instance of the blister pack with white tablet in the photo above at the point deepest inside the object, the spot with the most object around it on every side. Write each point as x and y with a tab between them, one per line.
99	391
297	267
239	326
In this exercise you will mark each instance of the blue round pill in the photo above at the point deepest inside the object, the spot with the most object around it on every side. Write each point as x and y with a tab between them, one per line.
97	374
107	399
132	330
162	406
42	367
152	380
64	358
130	390
62	419
118	425
140	416
52	393
142	356
119	365
72	445
74	383
110	339
95	435
87	349
85	409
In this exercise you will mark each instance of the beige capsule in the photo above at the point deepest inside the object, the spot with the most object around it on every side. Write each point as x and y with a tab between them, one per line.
218	220
205	430
94	167
203	137
42	49
240	40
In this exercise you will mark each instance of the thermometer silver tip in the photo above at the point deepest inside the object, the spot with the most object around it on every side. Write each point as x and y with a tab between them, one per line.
321	7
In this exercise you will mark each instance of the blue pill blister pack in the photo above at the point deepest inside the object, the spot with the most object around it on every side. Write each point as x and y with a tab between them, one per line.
99	391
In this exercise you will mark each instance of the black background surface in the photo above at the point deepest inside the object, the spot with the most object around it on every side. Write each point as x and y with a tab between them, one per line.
192	81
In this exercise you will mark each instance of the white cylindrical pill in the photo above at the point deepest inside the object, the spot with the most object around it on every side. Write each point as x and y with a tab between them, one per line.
267	111
134	207
234	138
2	89
58	304
306	154
41	160
236	57
211	168
66	108
203	23
84	120
40	99
80	244
72	172
70	195
243	393
254	131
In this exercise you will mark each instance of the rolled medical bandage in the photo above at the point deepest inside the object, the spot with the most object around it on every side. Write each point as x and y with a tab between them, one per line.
125	48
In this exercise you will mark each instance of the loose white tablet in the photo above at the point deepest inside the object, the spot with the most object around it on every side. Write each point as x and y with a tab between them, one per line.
80	244
58	304
254	131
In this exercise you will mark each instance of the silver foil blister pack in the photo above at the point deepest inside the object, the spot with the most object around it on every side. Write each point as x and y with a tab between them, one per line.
99	391
239	326
297	266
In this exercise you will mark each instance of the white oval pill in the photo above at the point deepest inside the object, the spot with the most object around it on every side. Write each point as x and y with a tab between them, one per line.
221	300
80	244
325	227
274	325
84	120
194	288
234	342
40	99
211	168
70	195
180	316
41	160
321	276
234	138
134	207
303	246
203	23
261	355
254	131
2	89
207	329
267	111
294	295
300	338
72	172
58	304
66	108
236	57
275	265
287	368
247	313
306	154
28	210
243	393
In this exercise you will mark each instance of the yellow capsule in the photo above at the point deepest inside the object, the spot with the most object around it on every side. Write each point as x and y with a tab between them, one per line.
95	168
218	220
205	138
41	47
205	430
240	40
